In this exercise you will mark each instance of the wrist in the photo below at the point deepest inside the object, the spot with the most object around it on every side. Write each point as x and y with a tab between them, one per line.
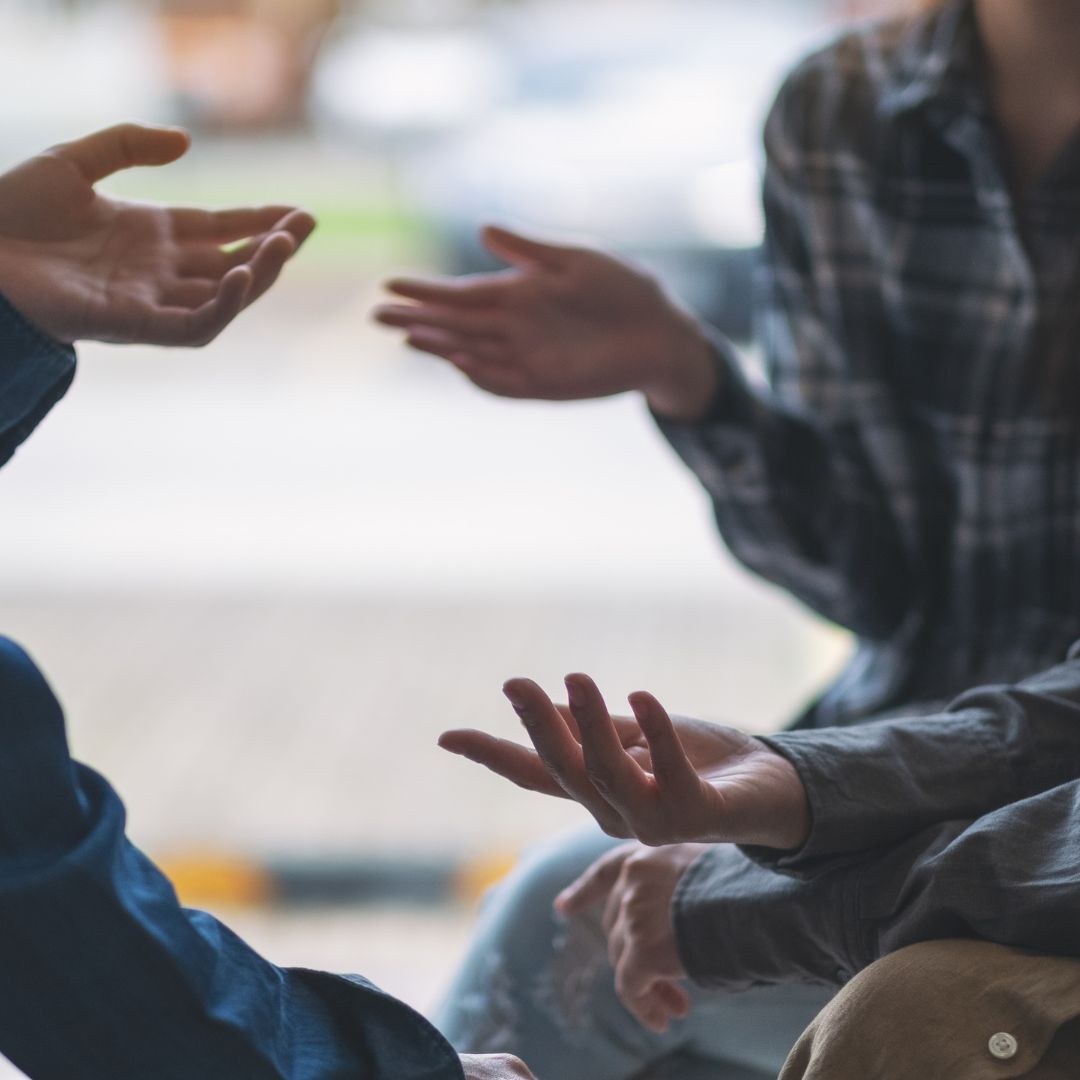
686	380
789	827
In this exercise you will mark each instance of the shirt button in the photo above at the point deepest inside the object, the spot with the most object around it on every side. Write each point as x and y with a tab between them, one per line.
1003	1046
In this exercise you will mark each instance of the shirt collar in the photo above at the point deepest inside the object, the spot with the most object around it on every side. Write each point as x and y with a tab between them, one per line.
939	63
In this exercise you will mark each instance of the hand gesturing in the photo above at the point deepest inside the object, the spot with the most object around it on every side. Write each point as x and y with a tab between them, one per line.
561	323
660	780
81	265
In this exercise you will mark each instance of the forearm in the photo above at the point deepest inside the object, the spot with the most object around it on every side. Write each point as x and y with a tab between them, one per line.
876	784
35	373
1011	877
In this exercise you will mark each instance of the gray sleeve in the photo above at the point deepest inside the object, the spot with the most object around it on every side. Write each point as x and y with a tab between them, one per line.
1011	877
35	373
876	784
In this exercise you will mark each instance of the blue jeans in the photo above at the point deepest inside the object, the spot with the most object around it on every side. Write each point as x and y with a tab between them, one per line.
543	989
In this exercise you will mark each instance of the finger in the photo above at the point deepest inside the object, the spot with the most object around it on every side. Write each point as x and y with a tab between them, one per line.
439	317
670	765
474	290
609	767
559	750
515	763
658	1006
673	997
300	224
124	146
213	260
493	375
227	226
639	990
595	884
520	251
189	292
469	354
181	327
269	260
617	934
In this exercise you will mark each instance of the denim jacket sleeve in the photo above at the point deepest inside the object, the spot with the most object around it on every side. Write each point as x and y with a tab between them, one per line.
104	975
35	373
1011	877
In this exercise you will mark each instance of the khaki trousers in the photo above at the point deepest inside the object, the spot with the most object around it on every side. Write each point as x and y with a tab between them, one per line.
954	1010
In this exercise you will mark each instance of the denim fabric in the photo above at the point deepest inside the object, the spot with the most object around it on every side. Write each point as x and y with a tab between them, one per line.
542	988
104	976
35	373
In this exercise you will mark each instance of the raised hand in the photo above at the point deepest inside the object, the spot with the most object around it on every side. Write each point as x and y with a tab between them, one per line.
80	265
635	886
660	780
562	323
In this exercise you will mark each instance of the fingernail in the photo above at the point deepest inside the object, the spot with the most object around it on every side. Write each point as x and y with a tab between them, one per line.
575	691
513	695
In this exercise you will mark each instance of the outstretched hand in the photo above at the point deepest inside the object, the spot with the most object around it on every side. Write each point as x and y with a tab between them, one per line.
561	323
661	780
83	266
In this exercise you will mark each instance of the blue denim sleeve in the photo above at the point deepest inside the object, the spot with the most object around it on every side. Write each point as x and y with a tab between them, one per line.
104	976
35	373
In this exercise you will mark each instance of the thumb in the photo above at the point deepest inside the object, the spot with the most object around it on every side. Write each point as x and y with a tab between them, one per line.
518	250
124	146
595	884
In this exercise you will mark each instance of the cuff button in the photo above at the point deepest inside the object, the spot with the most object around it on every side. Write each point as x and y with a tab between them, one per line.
1003	1046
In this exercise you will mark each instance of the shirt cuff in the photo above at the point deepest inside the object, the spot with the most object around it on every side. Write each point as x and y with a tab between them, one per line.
735	406
738	925
35	373
875	785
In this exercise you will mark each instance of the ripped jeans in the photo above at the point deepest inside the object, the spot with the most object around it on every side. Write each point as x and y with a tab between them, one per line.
541	988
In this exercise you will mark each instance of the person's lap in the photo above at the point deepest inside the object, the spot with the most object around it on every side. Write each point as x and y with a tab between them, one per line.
541	988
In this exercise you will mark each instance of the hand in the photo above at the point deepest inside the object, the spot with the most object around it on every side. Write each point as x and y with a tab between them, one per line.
494	1067
563	323
660	780
636	885
80	265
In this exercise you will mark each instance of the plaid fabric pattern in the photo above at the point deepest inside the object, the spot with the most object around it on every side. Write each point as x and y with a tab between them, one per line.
911	470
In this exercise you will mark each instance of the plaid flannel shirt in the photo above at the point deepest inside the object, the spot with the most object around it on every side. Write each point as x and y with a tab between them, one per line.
905	472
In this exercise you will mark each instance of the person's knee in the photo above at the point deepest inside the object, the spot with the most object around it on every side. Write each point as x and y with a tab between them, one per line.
527	895
947	1008
902	1018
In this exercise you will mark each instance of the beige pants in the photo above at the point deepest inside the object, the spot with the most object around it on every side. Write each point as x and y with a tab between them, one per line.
954	1010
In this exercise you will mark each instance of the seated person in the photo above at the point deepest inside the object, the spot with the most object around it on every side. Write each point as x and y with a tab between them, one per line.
908	472
103	976
857	844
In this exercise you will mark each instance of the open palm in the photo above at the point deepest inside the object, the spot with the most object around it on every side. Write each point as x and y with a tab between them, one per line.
562	323
81	265
660	779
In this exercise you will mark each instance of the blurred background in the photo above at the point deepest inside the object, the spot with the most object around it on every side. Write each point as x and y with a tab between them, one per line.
265	576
